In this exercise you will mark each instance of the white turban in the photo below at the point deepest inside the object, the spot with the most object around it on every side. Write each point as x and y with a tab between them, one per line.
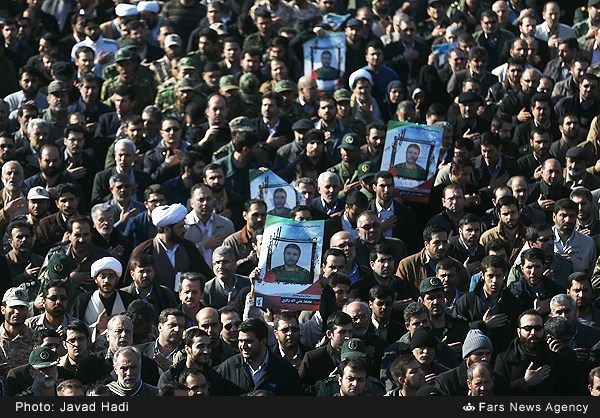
125	10
148	6
357	75
168	215
106	263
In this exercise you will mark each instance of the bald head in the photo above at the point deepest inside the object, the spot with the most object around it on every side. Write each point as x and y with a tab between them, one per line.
340	237
209	320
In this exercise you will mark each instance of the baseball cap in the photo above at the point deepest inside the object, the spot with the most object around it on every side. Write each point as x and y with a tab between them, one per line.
43	357
173	39
341	95
15	296
57	86
351	141
240	123
430	283
38	192
284	85
353	348
303	125
60	266
227	82
184	84
123	55
366	169
186	63
355	22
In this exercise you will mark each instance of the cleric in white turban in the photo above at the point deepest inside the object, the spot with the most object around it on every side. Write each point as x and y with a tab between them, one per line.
168	215
148	7
106	263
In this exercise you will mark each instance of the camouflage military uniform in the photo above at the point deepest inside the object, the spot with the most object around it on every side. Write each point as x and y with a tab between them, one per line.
295	113
250	104
200	60
167	101
143	87
342	171
298	275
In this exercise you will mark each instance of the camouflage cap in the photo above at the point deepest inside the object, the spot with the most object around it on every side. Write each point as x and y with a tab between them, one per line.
351	142
285	85
127	42
366	169
43	357
249	83
60	266
227	82
184	84
186	63
123	54
15	296
57	86
341	95
241	123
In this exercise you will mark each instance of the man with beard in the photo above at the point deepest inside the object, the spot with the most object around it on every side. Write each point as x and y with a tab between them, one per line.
289	152
144	287
569	129
205	228
480	379
54	315
509	227
575	173
23	264
171	323
583	104
532	368
95	307
215	132
314	154
12	195
466	248
139	228
373	149
56	114
540	116
352	377
228	203
98	367
517	105
356	203
16	338
254	214
122	205
209	320
43	362
453	201
534	290
170	251
224	287
178	189
127	363
520	190
287	334
579	287
106	236
198	353
335	129
581	249
30	83
540	235
407	374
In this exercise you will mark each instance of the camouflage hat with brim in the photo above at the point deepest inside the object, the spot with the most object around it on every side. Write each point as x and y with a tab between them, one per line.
227	83
42	358
341	95
184	85
285	85
249	82
186	63
123	54
60	266
240	123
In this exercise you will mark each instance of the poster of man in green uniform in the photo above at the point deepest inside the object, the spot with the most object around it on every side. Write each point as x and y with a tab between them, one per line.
409	168
290	271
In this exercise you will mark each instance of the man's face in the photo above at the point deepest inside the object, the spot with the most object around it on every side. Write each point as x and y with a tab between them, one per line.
45	378
255	217
55	302
171	133
50	162
231	324
482	383
412	154
449	279
288	333
329	190
528	26
420	320
362	89
106	280
540	144
122	104
279	199
339	335
12	178
135	131
564	220
509	216
38	208
529	83
120	335
374	57
493	280
470	233
533	271
408	31
314	149
375	140
353	382
531	332
454	200
210	321
21	240
384	188
215	179
172	329
231	51
581	292
202	202
14	315
327	110
594	388
565	310
291	256
333	264
190	293
223	266
250	63
76	344
457	61
575	168
121	191
74	143
514	74
468	110
435	301
345	242
382	308
437	246
545	242
126	69
477	65
143	276
368	228
587	89
565	53
200	350
124	156
269	109
551	14
251	348
128	369
570	127
489	25
67	204
307	190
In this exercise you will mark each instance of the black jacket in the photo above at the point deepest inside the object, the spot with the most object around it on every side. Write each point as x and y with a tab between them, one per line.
454	382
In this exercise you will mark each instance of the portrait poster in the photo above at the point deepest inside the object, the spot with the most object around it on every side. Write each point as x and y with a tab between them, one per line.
411	153
325	60
279	195
441	52
290	264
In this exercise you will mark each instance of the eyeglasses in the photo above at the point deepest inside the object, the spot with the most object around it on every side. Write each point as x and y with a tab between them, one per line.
172	128
370	226
76	341
230	325
286	330
529	328
54	298
359	317
544	239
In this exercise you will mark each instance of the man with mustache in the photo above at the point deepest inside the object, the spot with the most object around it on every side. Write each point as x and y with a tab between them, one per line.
43	370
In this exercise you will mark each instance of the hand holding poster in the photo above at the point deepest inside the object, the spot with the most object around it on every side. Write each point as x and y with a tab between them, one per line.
278	194
441	52
411	153
289	262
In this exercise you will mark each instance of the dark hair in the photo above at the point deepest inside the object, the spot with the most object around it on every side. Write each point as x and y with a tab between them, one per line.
431	230
559	327
298	208
356	364
498	244
256	326
398	366
507	200
381	291
413	309
74	127
491	138
532	312
358	198
542	98
578	277
499	119
383	175
478	52
45	333
383	248
188	339
531	254
165	313
251	202
565	204
468	218
583	192
447	264
244	139
79	326
18	223
533	231
460	162
81	219
493	261
59	284
168	387
153	189
336	252
338	319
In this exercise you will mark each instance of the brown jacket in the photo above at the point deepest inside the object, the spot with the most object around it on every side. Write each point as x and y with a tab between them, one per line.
499	232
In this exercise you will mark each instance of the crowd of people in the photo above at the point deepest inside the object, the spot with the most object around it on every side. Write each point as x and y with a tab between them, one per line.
131	241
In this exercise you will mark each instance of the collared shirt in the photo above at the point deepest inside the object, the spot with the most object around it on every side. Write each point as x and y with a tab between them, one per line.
230	292
383	214
330	211
170	253
167	356
272	128
380	330
206	232
580	248
347	226
260	372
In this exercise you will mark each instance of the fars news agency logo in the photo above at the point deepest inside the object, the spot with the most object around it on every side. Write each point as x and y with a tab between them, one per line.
468	407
